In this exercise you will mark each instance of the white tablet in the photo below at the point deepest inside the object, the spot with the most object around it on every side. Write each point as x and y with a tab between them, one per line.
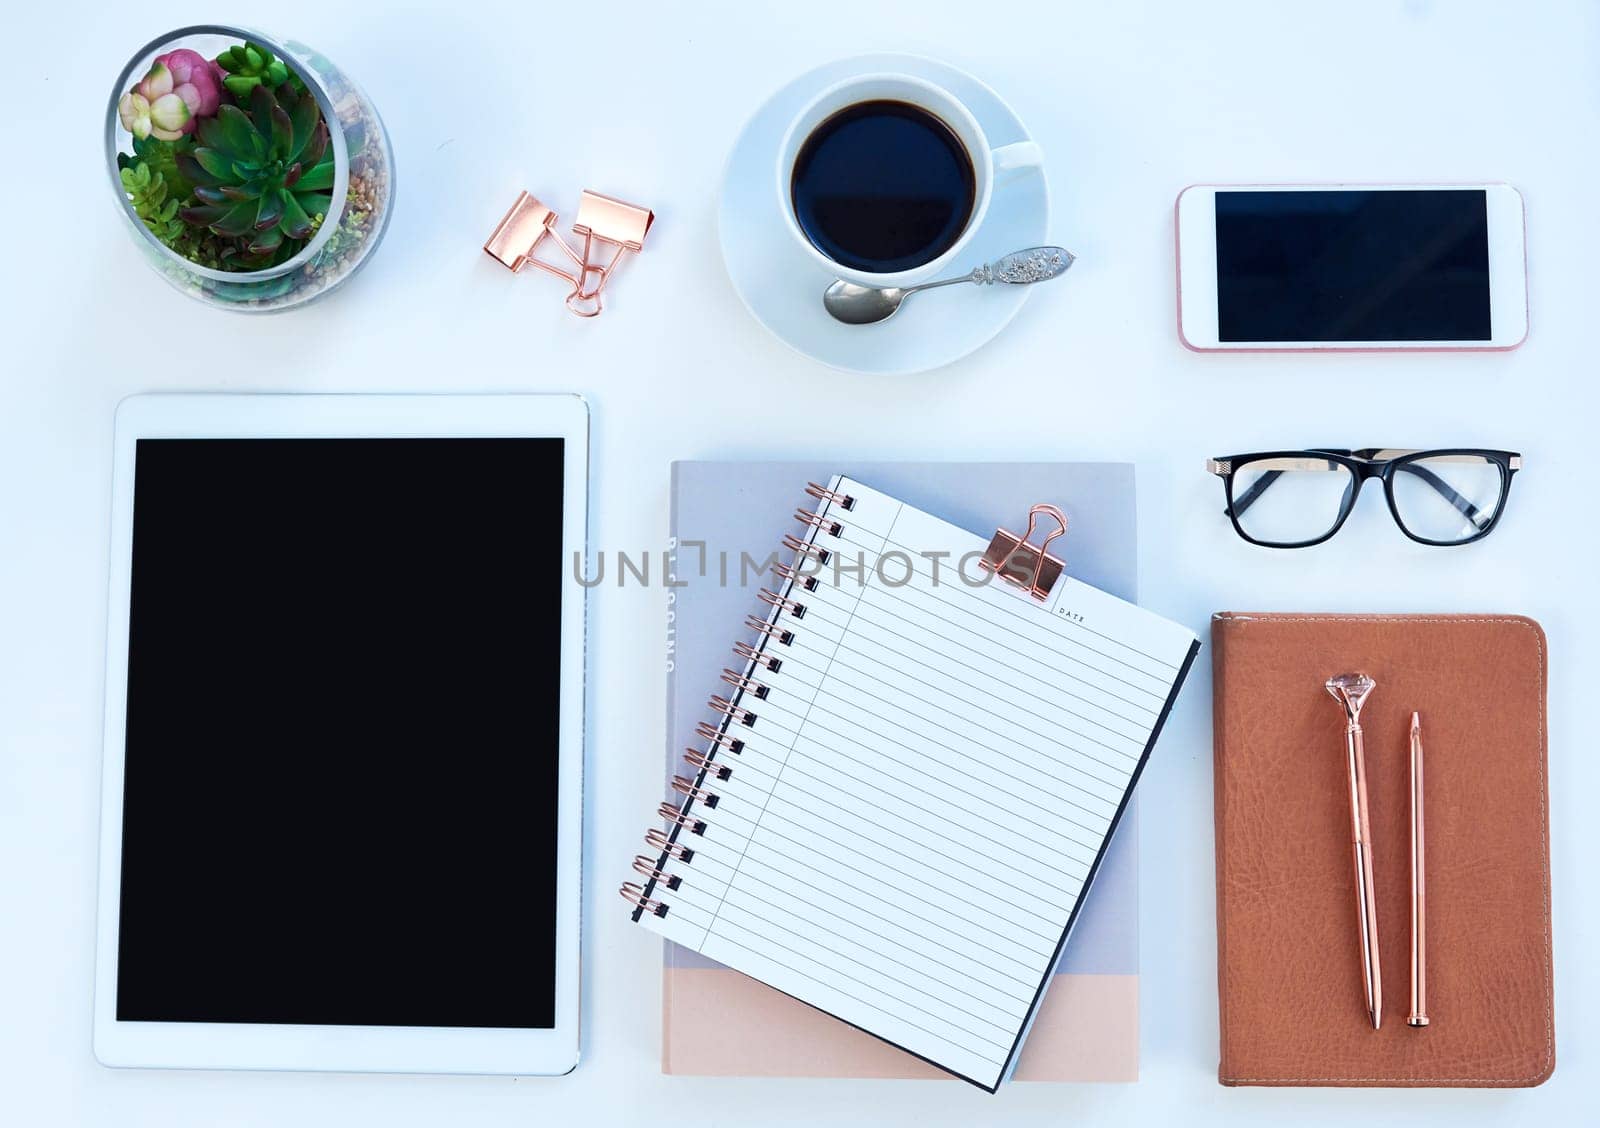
342	801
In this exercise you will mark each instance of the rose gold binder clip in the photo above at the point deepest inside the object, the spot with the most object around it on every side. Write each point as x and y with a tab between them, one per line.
519	234
1017	562
601	219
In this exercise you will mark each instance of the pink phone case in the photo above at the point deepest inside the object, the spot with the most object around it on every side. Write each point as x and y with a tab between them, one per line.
1177	248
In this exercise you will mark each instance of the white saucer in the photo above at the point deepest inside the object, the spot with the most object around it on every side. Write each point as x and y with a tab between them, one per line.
783	288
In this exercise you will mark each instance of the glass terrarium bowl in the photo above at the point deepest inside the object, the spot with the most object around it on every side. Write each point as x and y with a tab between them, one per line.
361	199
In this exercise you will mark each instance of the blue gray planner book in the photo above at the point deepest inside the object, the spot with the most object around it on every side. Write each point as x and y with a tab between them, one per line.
931	775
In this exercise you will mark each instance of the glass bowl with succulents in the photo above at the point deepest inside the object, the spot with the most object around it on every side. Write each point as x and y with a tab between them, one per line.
253	174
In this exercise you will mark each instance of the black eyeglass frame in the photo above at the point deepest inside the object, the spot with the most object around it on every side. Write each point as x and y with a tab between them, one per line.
1372	462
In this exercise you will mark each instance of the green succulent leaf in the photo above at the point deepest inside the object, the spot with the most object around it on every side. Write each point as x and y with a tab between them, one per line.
304	117
249	191
233	60
210	132
194	172
239	220
316	179
237	129
255	58
240	85
316	147
282	134
296	223
215	163
270	210
204	215
314	203
267	241
215	196
262	103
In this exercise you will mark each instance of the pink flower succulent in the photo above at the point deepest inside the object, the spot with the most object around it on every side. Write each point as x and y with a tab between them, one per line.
181	87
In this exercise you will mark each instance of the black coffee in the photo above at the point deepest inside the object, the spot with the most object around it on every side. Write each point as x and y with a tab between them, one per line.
883	186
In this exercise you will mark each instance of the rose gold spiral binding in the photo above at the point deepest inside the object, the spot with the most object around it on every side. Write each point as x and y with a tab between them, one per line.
633	893
746	651
737	712
815	551
714	735
795	576
697	759
684	786
772	631
647	867
681	818
705	761
657	839
768	596
749	685
826	524
822	493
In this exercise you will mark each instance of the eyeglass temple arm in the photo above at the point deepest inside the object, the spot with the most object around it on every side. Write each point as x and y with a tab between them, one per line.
1471	512
1244	501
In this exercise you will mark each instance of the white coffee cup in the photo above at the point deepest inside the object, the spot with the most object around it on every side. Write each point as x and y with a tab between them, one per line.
992	167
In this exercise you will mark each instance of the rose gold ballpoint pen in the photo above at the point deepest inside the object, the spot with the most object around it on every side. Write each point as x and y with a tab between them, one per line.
1419	887
1351	691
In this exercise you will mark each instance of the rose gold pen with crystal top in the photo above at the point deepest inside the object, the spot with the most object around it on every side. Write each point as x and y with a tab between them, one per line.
1419	887
1351	691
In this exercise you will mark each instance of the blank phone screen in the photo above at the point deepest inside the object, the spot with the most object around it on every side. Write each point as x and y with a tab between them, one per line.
342	728
1353	266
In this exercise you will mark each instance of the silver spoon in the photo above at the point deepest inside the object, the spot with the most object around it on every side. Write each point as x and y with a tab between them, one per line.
854	304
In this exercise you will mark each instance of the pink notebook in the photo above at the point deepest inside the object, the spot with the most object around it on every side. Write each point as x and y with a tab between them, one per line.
719	1022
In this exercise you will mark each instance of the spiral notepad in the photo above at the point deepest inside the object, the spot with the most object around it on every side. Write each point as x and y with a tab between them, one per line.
909	778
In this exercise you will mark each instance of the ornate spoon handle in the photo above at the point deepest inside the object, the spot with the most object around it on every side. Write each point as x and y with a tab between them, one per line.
1036	264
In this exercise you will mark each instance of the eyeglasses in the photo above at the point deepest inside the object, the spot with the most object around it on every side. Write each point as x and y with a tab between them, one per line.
1296	498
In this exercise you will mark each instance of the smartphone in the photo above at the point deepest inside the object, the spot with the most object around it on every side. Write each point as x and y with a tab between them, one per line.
1351	267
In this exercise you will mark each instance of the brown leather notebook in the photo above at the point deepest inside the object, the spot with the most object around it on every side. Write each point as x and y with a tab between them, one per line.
1289	970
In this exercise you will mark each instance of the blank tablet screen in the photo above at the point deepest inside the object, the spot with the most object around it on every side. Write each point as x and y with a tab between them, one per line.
1353	265
343	684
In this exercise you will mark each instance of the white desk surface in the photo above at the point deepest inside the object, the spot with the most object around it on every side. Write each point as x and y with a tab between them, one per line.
1131	102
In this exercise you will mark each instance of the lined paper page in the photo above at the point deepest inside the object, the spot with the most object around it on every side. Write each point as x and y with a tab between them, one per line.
925	787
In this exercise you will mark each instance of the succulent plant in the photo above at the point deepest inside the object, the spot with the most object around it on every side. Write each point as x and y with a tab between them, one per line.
263	176
147	191
180	88
161	156
155	197
249	65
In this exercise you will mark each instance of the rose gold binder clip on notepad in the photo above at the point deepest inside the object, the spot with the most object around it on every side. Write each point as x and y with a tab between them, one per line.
1017	562
601	220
